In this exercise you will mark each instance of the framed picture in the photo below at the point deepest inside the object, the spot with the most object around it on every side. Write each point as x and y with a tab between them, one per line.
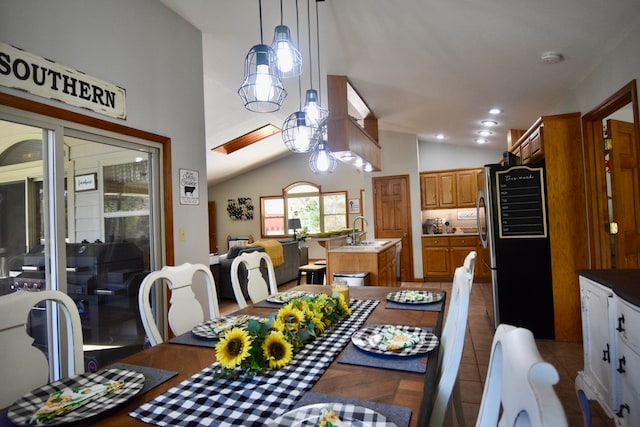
86	182
189	191
354	206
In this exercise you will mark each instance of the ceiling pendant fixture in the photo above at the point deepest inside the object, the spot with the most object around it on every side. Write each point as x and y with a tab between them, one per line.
289	57
298	133
262	90
315	113
322	160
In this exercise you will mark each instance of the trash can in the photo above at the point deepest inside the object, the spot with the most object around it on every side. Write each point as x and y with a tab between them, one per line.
353	279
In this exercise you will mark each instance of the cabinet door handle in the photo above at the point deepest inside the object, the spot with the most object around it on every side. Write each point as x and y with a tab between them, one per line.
605	354
620	412
621	364
620	327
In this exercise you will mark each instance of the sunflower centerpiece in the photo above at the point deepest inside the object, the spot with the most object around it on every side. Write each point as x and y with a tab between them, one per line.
272	342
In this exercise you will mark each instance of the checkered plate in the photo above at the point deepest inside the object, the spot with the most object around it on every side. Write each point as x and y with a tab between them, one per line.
351	415
414	297
427	342
26	406
285	297
211	329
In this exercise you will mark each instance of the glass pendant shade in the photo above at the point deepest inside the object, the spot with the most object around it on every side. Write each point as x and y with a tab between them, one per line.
322	160
315	113
289	57
262	90
298	134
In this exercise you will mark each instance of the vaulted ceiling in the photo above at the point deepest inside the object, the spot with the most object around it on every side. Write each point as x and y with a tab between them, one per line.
423	66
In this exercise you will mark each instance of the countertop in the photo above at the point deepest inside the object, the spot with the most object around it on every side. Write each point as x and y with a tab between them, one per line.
624	283
366	249
450	235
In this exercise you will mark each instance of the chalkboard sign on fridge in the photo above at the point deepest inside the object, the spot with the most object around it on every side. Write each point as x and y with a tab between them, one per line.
521	202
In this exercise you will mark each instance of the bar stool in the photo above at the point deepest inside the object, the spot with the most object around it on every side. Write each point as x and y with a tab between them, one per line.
314	272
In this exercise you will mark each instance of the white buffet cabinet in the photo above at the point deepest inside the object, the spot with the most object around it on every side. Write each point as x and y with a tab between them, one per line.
611	340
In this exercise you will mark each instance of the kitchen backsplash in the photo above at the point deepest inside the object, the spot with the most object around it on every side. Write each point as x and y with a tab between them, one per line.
460	219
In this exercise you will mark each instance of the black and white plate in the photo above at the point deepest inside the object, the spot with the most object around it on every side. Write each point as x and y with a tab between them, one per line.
285	297
211	329
351	415
22	410
365	339
414	297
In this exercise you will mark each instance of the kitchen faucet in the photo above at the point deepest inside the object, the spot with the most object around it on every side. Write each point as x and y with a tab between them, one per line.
363	224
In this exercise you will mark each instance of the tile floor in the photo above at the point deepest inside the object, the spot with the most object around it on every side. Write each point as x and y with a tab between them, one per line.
566	357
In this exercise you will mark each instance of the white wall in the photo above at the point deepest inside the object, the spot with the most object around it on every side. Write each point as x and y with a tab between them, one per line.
151	52
436	156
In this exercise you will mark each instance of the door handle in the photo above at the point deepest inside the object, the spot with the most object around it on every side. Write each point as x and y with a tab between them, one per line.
405	234
612	227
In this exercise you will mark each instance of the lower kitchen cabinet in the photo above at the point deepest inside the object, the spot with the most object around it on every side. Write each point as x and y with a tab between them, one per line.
441	255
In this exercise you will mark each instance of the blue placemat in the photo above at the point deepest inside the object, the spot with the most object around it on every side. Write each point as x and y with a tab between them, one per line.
399	415
267	304
352	355
191	339
435	306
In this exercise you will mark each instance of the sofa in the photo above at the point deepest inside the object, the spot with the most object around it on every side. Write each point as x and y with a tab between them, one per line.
285	272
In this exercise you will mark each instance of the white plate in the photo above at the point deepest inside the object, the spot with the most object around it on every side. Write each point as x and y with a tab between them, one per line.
350	415
363	340
285	297
423	297
26	406
211	329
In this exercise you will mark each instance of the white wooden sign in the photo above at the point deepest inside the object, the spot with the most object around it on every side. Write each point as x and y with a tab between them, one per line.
48	79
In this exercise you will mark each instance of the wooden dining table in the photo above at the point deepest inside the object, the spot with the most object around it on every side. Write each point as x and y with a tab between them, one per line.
395	387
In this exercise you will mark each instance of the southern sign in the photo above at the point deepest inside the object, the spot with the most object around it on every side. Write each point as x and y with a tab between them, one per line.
48	79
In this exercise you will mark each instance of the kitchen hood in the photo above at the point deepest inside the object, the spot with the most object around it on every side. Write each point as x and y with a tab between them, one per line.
352	128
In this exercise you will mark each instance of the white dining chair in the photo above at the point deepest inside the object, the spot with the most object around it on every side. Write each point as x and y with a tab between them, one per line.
519	386
25	367
185	311
447	395
257	288
470	262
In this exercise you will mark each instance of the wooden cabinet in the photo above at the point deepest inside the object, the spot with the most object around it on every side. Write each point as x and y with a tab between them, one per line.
450	189
530	147
441	255
387	267
611	332
380	264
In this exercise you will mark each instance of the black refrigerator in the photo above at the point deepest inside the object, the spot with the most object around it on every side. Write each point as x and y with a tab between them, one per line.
513	227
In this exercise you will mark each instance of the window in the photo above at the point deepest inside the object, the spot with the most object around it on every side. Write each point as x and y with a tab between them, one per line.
318	211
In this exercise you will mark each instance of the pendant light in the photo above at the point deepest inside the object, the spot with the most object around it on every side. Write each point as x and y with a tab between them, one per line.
322	160
298	133
315	113
262	90
289	57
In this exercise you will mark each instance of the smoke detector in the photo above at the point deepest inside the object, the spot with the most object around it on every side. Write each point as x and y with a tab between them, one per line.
551	57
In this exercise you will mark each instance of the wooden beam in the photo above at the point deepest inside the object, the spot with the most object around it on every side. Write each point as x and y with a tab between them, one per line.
247	139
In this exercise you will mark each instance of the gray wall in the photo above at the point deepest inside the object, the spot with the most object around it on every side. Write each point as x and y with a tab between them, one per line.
151	52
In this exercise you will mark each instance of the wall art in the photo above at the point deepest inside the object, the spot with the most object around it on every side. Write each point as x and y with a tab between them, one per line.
240	208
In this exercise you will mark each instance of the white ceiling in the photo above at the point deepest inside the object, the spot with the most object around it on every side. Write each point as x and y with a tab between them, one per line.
423	66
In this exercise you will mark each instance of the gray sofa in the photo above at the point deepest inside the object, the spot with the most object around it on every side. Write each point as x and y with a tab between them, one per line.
285	272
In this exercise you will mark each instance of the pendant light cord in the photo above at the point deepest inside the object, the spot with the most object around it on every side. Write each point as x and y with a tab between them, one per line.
298	43
281	16
309	28
318	41
260	11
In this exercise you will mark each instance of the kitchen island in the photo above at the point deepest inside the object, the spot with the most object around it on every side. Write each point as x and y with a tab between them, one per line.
376	257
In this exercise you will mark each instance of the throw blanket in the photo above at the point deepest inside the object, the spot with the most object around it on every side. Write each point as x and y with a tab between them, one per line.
273	248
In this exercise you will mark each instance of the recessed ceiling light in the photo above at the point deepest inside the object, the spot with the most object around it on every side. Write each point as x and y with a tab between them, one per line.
489	123
551	57
480	140
495	111
485	133
440	136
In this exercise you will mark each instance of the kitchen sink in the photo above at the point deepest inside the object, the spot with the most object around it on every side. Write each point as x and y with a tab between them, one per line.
372	243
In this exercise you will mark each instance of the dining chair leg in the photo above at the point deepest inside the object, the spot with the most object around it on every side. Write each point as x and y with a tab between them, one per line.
457	403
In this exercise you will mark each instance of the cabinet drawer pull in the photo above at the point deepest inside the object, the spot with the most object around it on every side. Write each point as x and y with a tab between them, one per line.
621	364
620	327
620	412
605	355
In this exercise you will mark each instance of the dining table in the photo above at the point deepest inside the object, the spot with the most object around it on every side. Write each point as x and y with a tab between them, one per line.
409	390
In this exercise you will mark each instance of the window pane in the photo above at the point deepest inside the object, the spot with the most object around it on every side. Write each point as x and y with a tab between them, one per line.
335	211
307	209
273	216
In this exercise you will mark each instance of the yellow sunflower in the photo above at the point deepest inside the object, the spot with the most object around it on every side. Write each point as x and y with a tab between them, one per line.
344	306
278	325
233	348
277	350
291	317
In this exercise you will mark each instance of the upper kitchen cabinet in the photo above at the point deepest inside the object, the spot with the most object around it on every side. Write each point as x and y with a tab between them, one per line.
449	189
529	147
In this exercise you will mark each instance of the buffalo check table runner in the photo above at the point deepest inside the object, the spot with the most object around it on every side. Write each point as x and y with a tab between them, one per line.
250	401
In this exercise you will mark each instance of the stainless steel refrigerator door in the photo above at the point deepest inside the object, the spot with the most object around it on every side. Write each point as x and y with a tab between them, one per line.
485	232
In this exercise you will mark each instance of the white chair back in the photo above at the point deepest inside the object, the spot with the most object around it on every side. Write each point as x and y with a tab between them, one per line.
470	262
447	393
257	287
519	387
185	311
25	367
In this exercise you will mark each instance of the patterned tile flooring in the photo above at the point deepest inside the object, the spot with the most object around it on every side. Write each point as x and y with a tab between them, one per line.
565	356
